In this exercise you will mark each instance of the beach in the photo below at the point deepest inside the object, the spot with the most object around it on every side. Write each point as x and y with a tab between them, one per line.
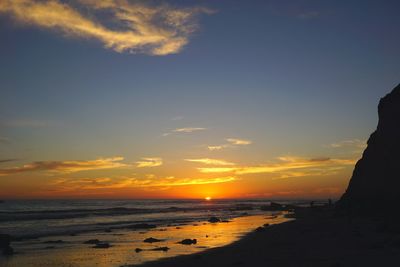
315	238
56	233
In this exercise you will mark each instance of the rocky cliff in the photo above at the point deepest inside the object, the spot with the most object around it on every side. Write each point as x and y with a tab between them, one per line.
375	184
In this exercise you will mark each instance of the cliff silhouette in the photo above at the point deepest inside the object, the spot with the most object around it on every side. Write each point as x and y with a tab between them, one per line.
374	187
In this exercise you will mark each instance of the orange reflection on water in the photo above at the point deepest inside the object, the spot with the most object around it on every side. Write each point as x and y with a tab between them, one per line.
74	253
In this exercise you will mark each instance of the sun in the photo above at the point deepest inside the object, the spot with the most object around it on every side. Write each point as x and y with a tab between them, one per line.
207	198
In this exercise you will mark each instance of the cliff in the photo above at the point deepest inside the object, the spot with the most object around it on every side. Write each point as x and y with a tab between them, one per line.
375	184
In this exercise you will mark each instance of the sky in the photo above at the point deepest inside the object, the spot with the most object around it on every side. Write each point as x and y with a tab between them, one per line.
190	99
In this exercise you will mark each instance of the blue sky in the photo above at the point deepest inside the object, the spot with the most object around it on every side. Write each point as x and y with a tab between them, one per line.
294	77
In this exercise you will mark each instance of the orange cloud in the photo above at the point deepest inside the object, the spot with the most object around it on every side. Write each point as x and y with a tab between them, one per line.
232	142
288	167
208	161
72	184
239	142
138	27
66	166
149	162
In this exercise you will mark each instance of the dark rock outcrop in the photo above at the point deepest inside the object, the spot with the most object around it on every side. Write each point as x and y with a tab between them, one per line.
214	220
102	245
165	249
5	241
92	241
188	241
374	187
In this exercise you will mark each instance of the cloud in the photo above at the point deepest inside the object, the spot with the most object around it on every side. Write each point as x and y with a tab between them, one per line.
149	162
208	161
288	167
177	118
188	130
232	142
71	184
212	148
120	25
238	142
353	143
66	166
218	169
185	130
7	160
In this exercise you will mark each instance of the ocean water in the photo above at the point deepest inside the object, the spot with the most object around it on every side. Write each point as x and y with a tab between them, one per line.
38	218
53	232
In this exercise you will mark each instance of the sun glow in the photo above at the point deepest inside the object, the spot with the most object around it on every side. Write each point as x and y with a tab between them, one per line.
207	198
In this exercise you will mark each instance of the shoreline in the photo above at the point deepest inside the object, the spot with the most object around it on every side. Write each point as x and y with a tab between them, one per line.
129	246
316	238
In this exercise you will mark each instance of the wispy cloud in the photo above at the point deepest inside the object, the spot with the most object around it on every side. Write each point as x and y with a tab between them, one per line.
288	167
353	143
212	148
7	160
177	118
208	161
188	130
185	130
238	142
66	166
232	142
135	26
71	184
149	162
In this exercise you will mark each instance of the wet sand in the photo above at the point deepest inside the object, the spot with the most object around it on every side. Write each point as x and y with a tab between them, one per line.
316	238
71	250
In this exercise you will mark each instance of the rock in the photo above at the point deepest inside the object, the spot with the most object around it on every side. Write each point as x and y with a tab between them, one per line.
374	187
273	206
92	241
240	207
53	242
266	225
214	220
8	251
142	226
102	245
165	249
260	229
152	240
5	247
137	250
188	241
4	240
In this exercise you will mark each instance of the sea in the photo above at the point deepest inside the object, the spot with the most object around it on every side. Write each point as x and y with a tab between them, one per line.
37	218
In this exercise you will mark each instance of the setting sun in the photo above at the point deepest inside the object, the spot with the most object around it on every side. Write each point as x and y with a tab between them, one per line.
207	198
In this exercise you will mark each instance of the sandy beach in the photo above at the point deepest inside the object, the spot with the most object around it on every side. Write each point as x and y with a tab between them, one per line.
316	238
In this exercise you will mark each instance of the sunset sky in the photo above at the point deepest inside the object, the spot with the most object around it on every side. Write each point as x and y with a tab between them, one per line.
189	99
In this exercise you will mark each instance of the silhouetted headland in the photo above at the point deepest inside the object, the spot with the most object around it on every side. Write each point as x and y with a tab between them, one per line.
374	188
